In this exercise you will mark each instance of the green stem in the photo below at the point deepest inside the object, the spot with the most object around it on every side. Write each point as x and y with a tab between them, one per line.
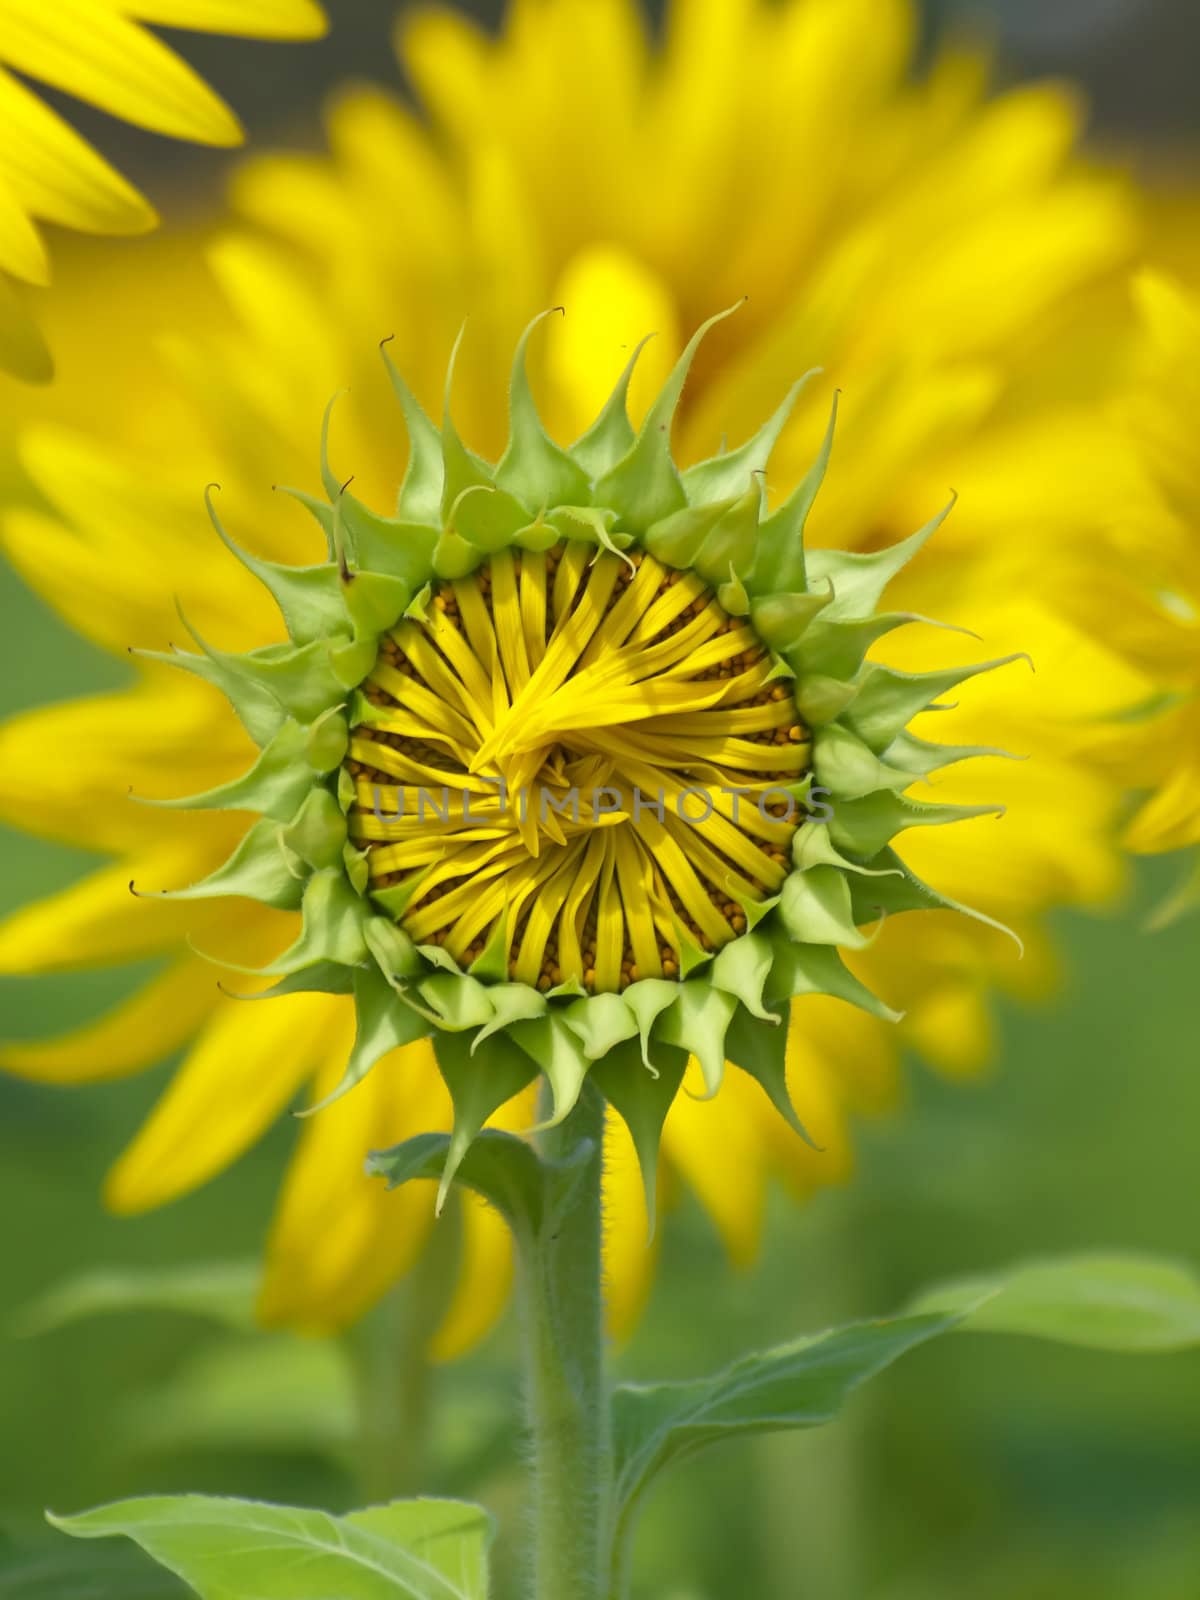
564	1337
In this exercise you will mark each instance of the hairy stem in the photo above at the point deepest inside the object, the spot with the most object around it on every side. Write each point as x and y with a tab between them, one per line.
566	1391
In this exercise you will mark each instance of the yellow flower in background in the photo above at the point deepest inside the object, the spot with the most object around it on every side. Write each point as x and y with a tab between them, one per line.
947	260
99	52
1155	538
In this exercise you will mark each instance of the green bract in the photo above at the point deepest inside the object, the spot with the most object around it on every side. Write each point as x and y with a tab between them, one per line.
617	491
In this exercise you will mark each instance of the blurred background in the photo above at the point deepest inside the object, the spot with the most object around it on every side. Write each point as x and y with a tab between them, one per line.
989	1469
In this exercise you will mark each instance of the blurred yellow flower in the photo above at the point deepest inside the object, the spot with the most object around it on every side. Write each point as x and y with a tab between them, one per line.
98	51
1155	534
943	255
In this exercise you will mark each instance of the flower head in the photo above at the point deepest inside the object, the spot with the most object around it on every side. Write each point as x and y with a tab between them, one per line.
939	256
538	763
100	53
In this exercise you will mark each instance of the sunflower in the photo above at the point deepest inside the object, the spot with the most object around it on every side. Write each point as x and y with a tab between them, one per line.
98	51
943	259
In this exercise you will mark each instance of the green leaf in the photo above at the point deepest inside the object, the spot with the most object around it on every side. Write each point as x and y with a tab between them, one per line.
1115	1303
71	1572
800	1385
1105	1302
268	1392
505	1170
220	1291
232	1549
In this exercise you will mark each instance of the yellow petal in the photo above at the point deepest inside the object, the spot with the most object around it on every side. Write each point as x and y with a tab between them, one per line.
485	1275
23	351
629	1254
56	175
100	56
249	19
612	299
152	1023
239	1075
21	249
98	922
714	1146
67	770
339	1237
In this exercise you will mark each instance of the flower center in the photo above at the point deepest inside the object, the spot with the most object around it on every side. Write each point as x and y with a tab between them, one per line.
576	768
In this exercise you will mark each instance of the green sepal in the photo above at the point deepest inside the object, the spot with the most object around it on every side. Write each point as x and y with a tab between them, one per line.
486	517
741	969
676	539
257	870
318	831
331	928
504	1169
848	768
538	535
601	1022
887	699
641	1096
923	757
533	469
815	908
645	486
460	467
327	740
275	785
454	557
729	547
491	964
458	1002
420	494
556	1050
813	847
324	977
511	1003
837	647
733	596
255	707
382	1023
860	577
761	1053
611	436
729	473
320	510
865	825
299	678
394	952
357	867
697	1022
646	1000
821	700
782	567
351	662
373	601
591	524
800	969
781	620
399	548
477	1088
307	597
396	898
901	890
